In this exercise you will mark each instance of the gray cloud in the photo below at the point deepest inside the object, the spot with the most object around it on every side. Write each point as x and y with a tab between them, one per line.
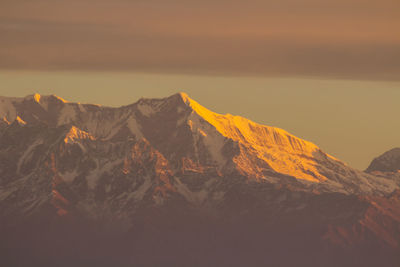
344	39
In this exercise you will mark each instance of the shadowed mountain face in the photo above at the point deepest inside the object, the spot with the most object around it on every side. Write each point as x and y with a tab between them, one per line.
166	182
387	162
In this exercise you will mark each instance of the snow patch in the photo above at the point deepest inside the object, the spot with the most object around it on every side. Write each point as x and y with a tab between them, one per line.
146	110
20	121
134	127
6	193
180	121
95	174
60	99
5	120
28	154
67	114
108	188
69	176
75	134
194	197
214	141
218	196
41	101
113	132
81	108
180	109
36	97
141	191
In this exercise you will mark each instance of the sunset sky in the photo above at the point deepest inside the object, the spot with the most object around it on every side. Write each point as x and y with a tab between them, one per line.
327	71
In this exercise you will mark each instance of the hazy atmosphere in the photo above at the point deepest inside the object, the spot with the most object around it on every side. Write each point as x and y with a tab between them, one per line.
345	39
209	133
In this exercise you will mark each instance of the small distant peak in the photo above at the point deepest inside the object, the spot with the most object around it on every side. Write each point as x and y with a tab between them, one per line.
20	121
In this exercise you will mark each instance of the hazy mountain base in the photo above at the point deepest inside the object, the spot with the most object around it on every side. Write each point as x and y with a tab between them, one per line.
332	230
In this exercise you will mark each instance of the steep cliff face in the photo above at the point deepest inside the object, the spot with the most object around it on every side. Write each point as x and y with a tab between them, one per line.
172	159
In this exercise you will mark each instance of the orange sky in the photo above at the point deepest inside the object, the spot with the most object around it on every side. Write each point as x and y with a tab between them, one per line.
354	39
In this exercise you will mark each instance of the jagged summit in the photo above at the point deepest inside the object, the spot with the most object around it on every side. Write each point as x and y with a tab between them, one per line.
279	150
276	147
188	134
241	129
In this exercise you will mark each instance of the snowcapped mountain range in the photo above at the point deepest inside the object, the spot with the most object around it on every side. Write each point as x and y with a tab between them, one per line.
61	160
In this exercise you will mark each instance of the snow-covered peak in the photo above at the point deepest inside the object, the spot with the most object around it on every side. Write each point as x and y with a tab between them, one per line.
280	150
183	130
